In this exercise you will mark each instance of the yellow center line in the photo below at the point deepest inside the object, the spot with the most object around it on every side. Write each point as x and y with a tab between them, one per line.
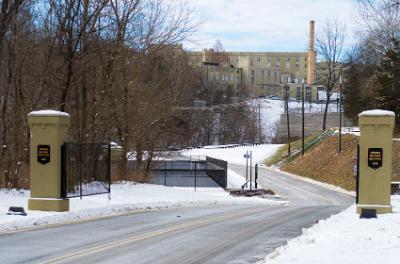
135	238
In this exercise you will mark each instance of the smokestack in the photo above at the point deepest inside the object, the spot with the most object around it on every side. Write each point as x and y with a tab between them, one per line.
311	56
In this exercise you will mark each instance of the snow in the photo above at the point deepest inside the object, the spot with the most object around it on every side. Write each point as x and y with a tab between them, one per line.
350	130
48	113
345	238
271	111
236	181
126	197
377	112
235	155
270	115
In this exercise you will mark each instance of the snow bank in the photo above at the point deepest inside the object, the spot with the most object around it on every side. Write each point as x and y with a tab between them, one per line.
236	154
126	197
344	238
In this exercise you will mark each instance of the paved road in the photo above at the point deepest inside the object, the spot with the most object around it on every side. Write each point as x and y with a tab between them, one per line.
213	234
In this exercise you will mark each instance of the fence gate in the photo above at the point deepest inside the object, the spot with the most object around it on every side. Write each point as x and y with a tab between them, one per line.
85	169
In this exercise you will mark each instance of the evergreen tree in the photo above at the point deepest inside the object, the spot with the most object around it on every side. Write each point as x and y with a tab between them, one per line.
357	90
388	77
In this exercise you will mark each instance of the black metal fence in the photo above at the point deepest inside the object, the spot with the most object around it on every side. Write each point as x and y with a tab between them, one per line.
205	172
85	169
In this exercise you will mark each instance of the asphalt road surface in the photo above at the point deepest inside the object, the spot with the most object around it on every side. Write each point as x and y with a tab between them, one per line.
210	234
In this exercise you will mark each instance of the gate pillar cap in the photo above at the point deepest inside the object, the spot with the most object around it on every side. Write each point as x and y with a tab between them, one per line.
49	113
376	112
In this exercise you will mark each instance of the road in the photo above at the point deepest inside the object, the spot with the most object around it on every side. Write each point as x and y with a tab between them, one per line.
209	234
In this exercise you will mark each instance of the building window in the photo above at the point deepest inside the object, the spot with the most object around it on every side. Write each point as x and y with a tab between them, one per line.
275	76
287	65
298	93
252	76
308	94
278	63
262	74
258	59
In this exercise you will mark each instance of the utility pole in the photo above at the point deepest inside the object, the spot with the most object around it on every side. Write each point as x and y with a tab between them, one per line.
340	109
287	117
302	118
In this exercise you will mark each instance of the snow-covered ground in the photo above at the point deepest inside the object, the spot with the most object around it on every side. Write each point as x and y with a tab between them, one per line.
126	197
235	155
129	196
345	238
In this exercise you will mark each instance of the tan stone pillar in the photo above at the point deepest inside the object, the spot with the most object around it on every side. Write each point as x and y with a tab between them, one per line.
48	131
376	139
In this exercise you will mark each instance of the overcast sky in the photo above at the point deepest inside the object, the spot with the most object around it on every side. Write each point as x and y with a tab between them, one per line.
266	25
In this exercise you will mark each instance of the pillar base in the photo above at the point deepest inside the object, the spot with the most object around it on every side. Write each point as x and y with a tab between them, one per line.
380	209
48	204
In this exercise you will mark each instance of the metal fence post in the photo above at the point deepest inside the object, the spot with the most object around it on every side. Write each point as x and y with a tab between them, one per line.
165	173
247	166
251	165
255	175
63	171
80	170
195	175
109	169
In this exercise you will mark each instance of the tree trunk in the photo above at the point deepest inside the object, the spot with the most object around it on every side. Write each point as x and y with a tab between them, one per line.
328	97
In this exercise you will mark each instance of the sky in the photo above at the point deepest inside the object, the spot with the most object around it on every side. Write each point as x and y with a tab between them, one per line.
266	25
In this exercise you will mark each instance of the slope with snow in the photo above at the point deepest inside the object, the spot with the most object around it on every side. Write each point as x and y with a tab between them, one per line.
235	154
271	111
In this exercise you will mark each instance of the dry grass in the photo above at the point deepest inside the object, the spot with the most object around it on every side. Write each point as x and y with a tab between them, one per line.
131	175
282	152
323	164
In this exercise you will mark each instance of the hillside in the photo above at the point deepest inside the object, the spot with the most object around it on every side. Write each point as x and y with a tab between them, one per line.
322	163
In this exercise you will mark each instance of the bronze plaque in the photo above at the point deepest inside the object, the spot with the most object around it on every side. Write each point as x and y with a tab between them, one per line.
375	158
43	154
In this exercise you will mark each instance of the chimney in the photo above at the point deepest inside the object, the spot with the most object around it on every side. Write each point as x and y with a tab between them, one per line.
311	56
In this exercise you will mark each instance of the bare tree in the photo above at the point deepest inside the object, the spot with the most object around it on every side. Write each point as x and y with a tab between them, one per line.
218	53
329	43
379	22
